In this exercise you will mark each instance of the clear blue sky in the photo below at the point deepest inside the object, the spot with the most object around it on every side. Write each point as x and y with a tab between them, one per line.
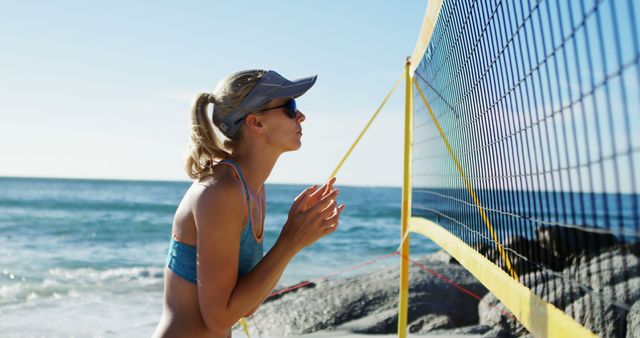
102	89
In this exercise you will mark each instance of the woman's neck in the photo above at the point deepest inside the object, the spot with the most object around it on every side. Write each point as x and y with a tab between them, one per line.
256	165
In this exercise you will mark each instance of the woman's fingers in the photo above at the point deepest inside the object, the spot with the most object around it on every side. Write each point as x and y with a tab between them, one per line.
301	199
330	224
324	203
329	189
329	186
325	188
329	210
336	213
306	191
318	194
305	194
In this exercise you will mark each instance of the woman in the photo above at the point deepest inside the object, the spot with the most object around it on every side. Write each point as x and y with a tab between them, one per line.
215	271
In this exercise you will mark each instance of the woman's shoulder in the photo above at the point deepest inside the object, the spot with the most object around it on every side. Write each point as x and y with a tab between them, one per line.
221	190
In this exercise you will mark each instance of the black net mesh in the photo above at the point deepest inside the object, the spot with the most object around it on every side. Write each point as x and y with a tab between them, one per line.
537	102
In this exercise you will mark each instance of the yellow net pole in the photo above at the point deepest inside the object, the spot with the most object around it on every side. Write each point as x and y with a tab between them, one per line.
406	204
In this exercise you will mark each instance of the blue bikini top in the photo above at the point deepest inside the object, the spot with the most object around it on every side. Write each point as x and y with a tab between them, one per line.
181	257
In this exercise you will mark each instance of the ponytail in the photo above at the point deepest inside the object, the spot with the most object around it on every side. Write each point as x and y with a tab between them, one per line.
205	149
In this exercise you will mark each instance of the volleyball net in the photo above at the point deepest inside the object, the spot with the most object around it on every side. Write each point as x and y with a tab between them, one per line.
524	154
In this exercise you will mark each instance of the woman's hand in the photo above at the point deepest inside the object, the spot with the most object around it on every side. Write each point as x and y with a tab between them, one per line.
314	196
313	214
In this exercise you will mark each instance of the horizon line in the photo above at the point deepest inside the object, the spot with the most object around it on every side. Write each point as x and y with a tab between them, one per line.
169	181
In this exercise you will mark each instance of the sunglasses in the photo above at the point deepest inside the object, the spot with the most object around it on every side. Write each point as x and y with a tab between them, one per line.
290	108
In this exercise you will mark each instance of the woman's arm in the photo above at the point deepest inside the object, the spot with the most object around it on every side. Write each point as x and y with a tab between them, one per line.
219	215
263	297
218	224
314	195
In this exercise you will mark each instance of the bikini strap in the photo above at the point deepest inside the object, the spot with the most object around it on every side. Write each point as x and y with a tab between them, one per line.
238	173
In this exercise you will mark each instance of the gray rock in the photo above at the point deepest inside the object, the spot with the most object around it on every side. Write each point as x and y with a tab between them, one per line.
534	278
525	255
442	257
498	332
379	322
465	330
606	269
368	303
584	276
495	315
432	295
604	311
430	323
633	321
561	292
565	241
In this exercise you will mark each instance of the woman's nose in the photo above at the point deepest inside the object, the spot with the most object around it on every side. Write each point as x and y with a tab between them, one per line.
300	116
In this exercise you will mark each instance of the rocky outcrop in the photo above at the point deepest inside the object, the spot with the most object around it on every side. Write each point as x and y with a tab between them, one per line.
525	255
430	322
604	311
368	303
565	241
495	315
633	321
608	268
597	290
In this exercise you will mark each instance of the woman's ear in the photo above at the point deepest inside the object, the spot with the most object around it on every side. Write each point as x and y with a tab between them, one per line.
253	123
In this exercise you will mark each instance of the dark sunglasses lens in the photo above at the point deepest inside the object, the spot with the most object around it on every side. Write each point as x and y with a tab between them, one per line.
293	110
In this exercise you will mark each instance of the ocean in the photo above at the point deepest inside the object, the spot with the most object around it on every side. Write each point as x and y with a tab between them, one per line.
84	258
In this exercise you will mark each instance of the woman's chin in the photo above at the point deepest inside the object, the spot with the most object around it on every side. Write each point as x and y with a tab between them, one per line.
297	145
292	147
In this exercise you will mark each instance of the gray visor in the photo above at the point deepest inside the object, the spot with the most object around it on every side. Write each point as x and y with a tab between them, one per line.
270	86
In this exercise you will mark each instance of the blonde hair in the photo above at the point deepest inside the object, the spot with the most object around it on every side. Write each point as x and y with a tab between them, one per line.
206	149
